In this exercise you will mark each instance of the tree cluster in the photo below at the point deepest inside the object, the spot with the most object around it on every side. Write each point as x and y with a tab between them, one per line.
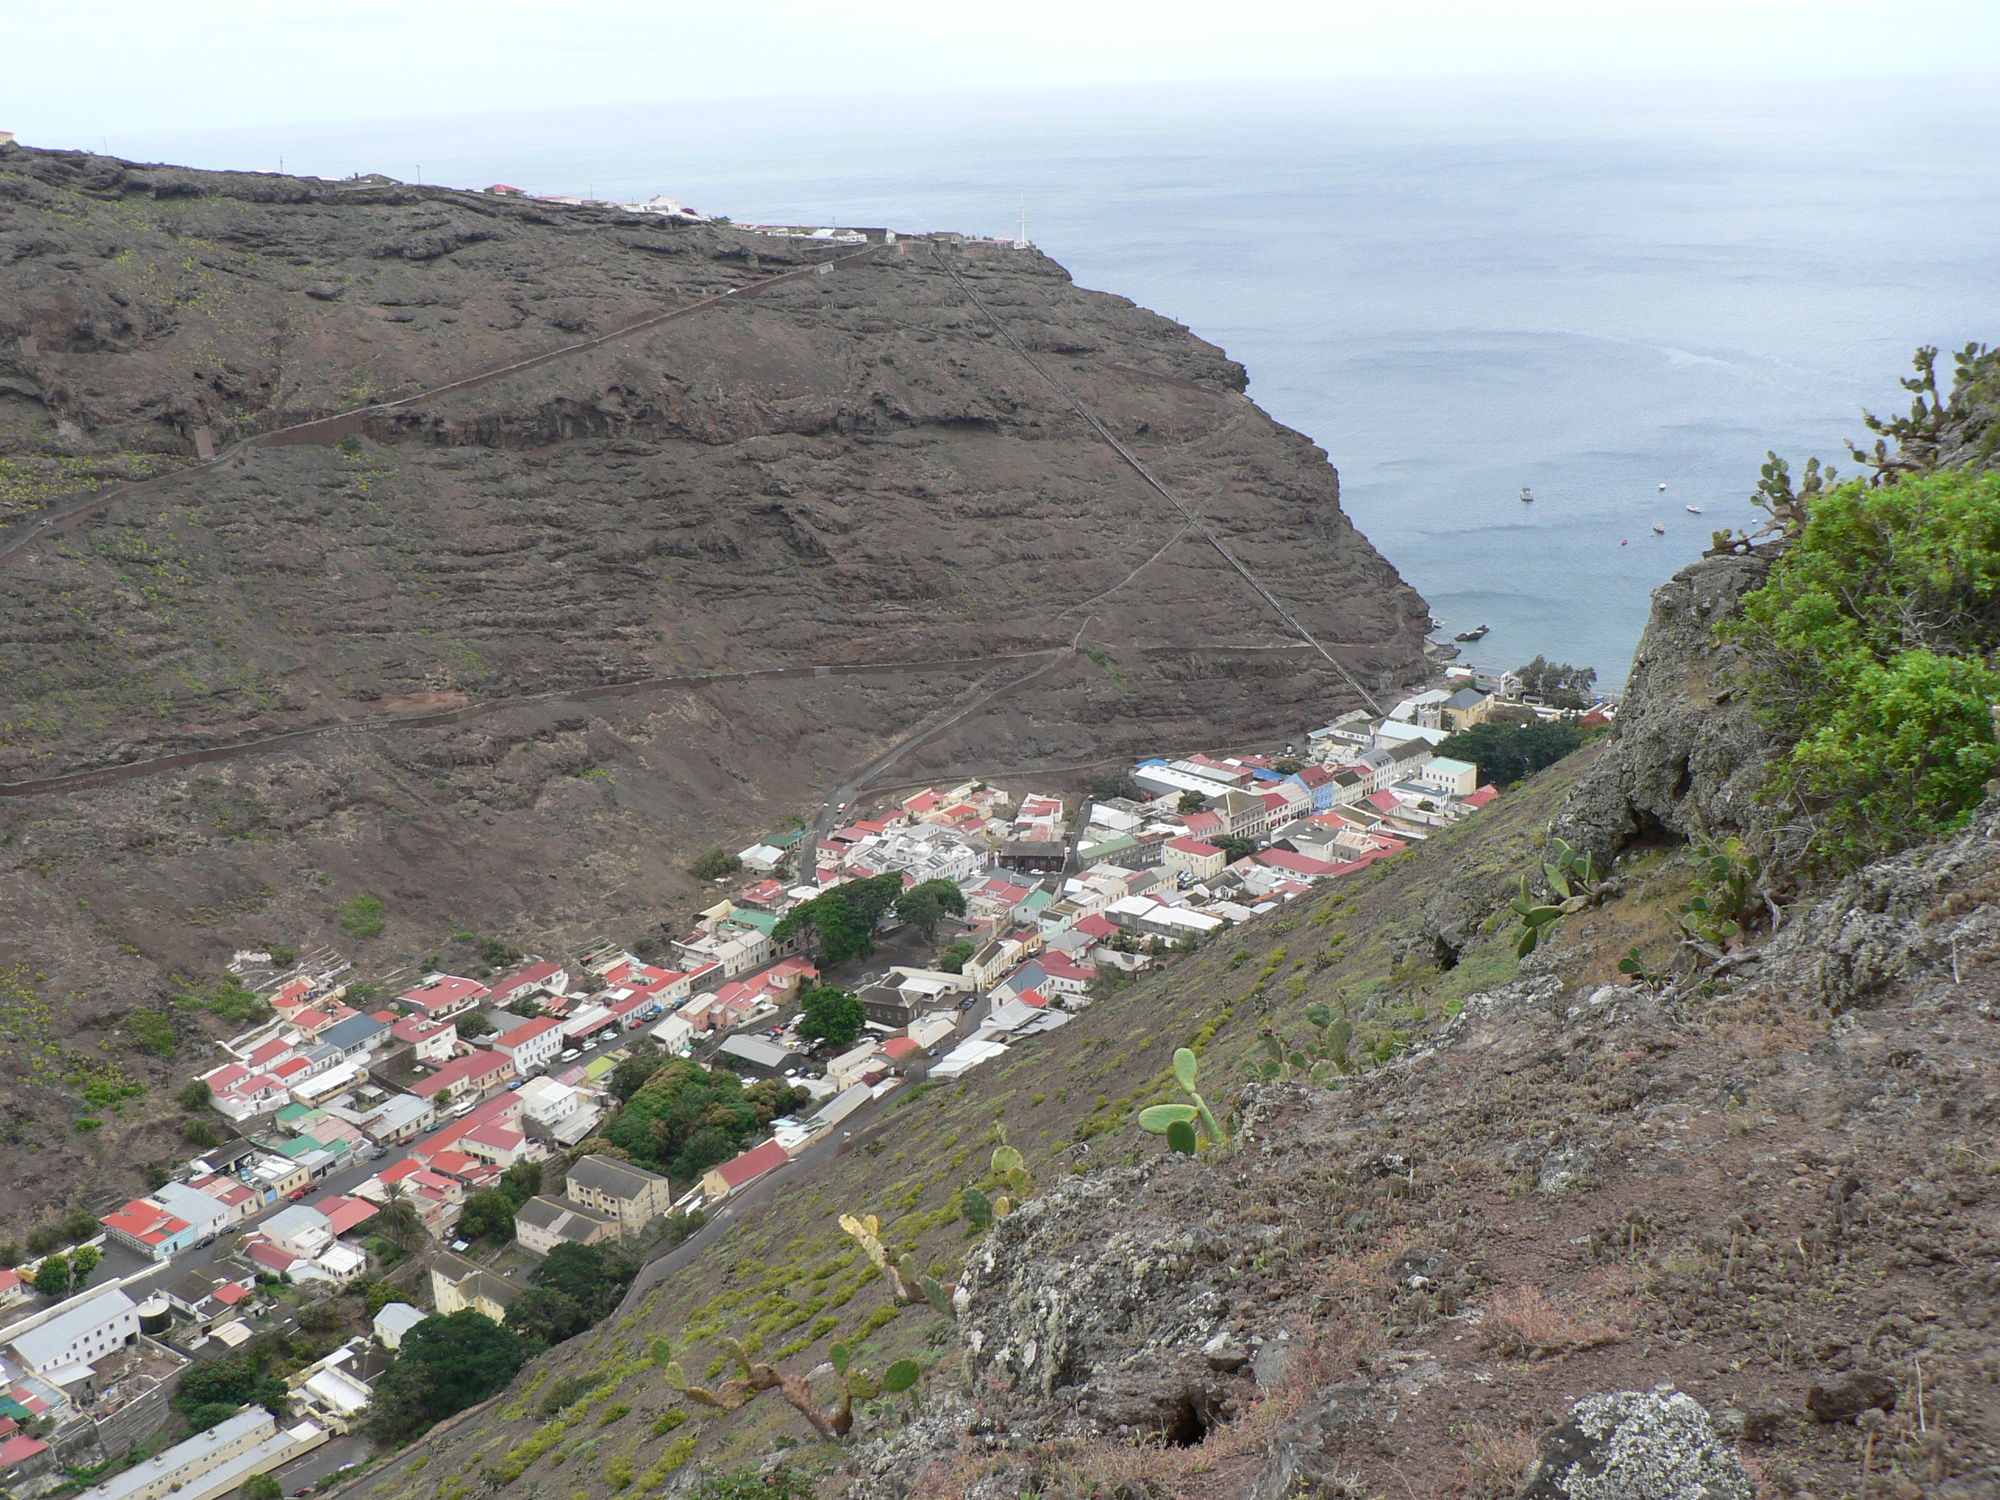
715	864
1557	683
445	1364
573	1288
686	1119
489	1213
1506	753
925	905
844	918
830	1014
213	1392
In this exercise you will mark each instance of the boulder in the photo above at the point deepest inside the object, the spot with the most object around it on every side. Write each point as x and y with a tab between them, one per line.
1637	1445
1847	1396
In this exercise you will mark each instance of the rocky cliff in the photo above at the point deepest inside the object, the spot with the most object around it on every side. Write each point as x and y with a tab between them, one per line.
457	650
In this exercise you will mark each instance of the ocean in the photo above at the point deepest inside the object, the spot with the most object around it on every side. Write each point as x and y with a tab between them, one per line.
1456	289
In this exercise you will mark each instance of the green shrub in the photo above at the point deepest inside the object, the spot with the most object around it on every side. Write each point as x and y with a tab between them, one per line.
151	1031
715	865
361	917
667	1421
1869	652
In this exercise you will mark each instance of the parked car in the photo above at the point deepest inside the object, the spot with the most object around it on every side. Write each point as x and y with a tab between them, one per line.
570	1055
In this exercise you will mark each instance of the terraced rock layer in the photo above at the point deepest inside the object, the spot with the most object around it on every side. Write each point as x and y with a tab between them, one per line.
848	468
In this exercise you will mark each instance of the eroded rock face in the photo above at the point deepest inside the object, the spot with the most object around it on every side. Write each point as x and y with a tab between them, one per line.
1638	1445
1686	755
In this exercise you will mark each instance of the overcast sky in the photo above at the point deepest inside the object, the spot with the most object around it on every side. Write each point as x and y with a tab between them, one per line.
74	74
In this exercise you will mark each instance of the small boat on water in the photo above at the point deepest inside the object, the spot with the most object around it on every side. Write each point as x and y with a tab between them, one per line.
1694	510
1476	633
1625	541
1660	529
1527	495
1663	484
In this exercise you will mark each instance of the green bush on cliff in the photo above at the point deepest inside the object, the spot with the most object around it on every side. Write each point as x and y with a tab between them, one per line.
1871	658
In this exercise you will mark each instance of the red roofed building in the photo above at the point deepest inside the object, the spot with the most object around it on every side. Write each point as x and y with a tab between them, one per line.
149	1229
291	995
498	1142
312	1022
900	1048
267	1052
739	1172
1195	858
230	1293
268	1255
1297	864
444	995
19	1452
474	1075
430	1041
342	1214
1481	797
1204	824
526	981
532	1044
1063	976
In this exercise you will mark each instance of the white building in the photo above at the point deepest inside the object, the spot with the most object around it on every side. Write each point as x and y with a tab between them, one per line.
1456	778
532	1044
214	1462
300	1231
395	1320
86	1332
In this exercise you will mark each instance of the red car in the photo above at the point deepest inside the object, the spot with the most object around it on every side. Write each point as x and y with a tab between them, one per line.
297	1193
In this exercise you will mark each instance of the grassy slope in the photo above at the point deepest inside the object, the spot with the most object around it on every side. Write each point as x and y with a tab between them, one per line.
788	1282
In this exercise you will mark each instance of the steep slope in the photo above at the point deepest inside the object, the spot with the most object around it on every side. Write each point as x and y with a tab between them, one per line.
1623	1218
456	649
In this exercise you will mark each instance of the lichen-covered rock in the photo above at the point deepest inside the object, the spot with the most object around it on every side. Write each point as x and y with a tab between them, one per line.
1637	1445
1686	754
1888	923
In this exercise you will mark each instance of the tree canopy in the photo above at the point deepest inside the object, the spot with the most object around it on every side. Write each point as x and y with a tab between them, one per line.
925	905
1557	683
830	1014
1116	784
845	917
591	1277
634	1068
487	1215
686	1119
1505	753
445	1364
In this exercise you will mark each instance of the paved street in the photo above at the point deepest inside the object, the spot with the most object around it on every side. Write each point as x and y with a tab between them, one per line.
328	1458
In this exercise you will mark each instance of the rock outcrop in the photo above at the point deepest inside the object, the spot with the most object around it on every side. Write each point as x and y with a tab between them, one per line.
1638	1445
1686	755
